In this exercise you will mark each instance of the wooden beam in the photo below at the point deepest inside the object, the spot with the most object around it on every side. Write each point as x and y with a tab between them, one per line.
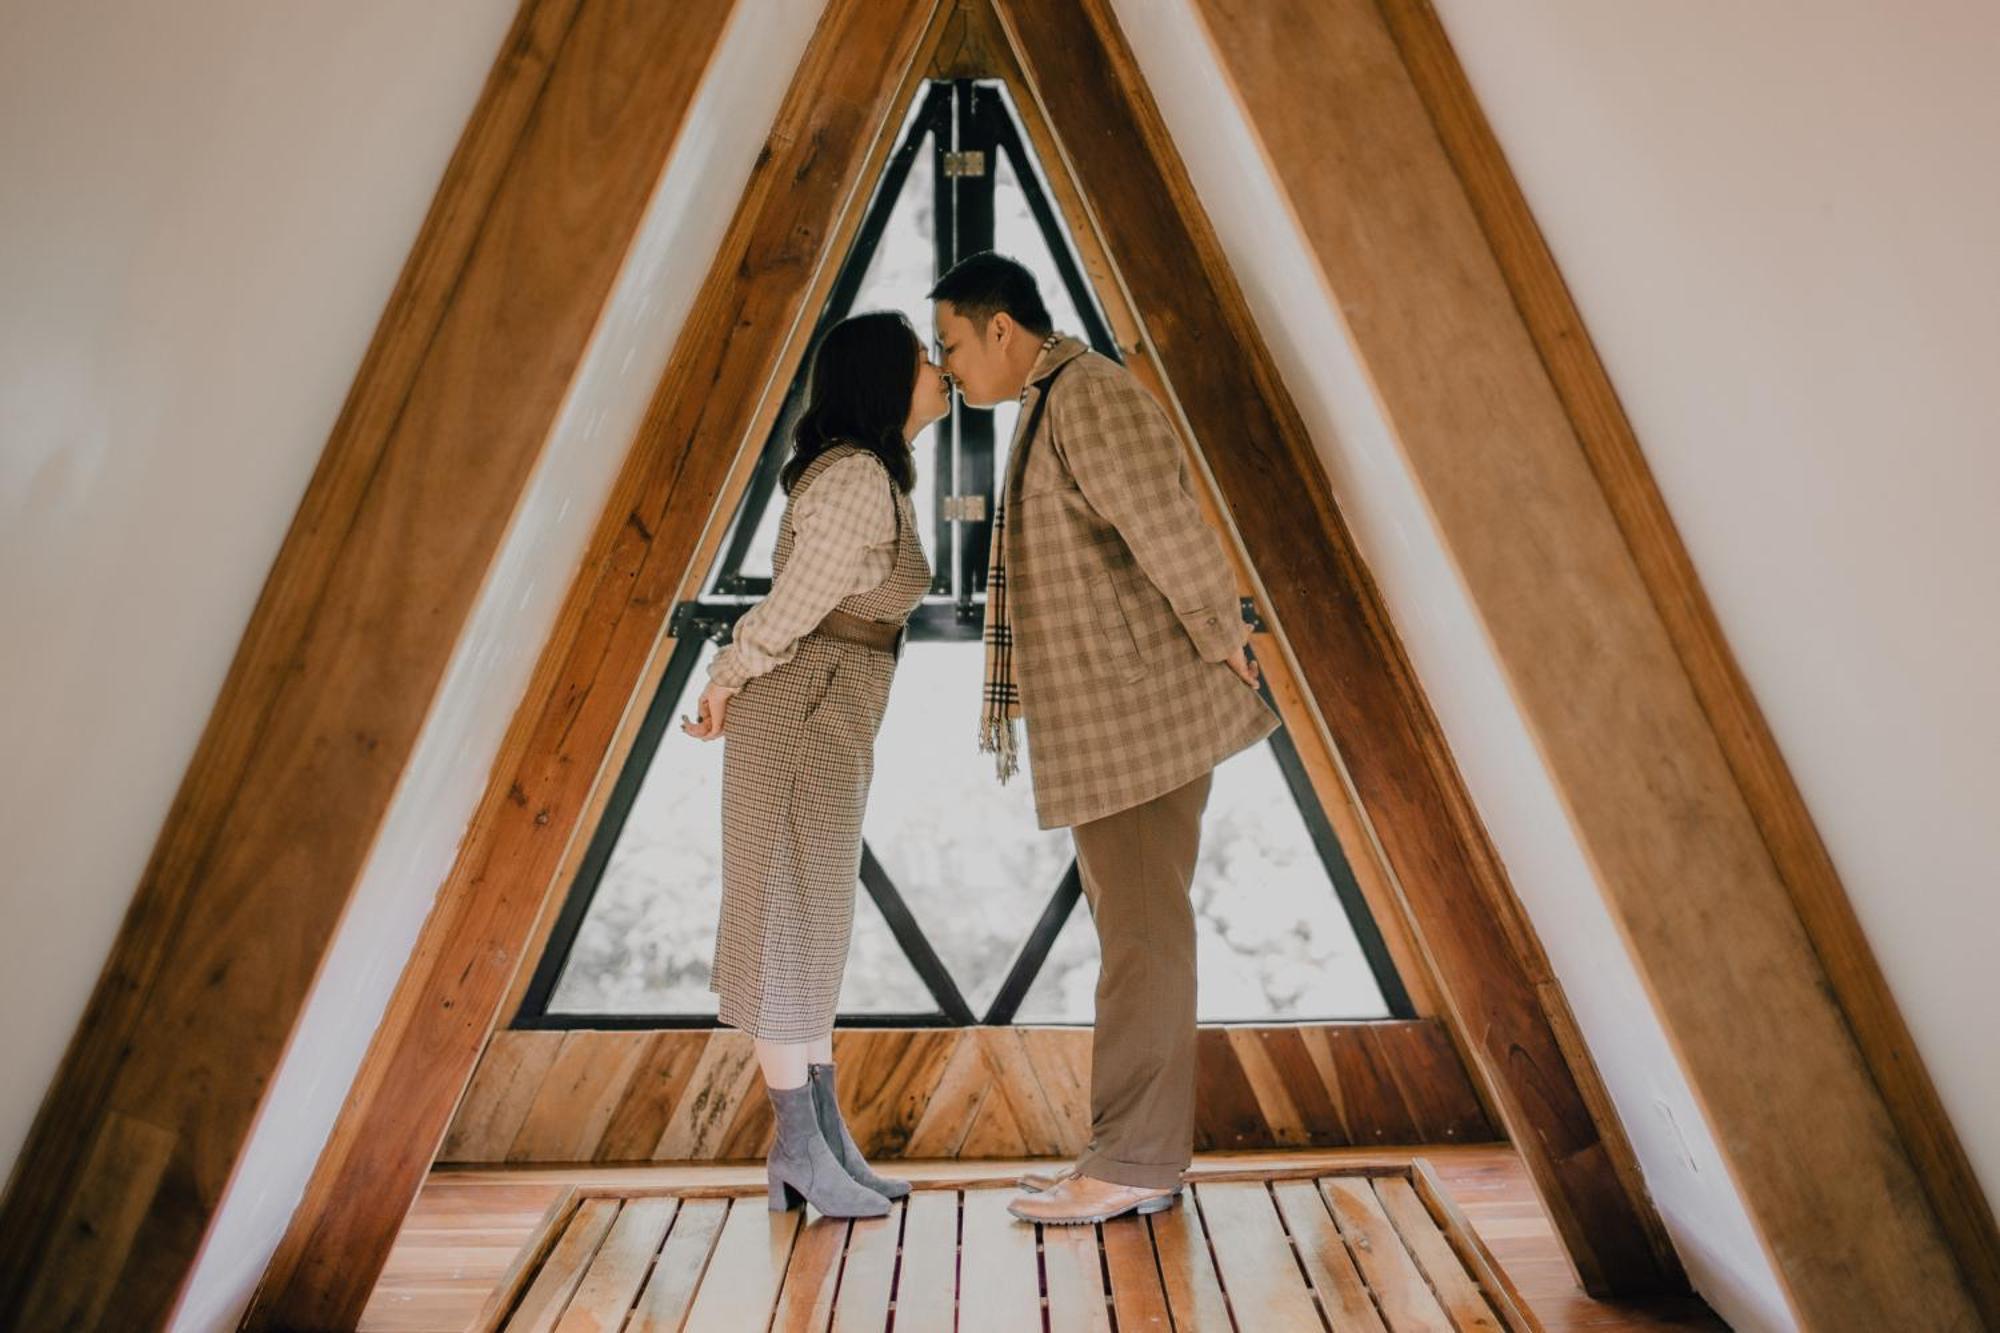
1602	687
743	336
289	786
1607	439
1173	273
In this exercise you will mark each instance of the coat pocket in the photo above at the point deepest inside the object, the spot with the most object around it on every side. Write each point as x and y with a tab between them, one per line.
1114	602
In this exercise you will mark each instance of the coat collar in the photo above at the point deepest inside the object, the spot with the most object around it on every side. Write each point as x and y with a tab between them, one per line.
1064	352
1047	364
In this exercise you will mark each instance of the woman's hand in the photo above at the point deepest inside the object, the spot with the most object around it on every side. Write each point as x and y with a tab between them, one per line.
713	707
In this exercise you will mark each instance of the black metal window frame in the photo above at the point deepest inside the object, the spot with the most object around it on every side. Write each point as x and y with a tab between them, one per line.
958	117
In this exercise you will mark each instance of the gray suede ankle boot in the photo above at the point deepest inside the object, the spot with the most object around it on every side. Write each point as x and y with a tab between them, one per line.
802	1168
834	1130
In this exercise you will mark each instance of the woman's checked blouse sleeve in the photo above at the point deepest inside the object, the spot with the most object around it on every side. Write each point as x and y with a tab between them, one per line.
843	542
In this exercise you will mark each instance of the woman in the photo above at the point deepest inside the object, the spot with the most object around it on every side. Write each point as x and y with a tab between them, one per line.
800	691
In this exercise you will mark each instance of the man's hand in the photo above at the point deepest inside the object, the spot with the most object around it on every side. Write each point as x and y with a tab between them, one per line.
1244	666
713	708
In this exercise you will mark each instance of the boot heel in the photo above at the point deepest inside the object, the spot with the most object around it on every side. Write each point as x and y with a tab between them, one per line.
783	1197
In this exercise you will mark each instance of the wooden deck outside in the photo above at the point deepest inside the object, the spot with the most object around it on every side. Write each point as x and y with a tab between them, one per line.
1265	1241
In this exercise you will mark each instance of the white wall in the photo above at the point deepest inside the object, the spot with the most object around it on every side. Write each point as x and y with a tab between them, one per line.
206	211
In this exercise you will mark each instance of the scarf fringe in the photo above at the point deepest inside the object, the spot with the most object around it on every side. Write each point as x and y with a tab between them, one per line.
996	737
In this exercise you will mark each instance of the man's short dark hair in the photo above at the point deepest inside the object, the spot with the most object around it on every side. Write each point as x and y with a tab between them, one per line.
983	285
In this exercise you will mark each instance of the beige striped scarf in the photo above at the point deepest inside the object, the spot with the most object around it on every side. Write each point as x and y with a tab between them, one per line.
1001	707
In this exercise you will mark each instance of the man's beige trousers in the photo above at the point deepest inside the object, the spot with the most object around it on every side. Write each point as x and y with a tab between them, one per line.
1137	867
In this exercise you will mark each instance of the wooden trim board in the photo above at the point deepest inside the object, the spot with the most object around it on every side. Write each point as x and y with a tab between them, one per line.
694	1095
1601	684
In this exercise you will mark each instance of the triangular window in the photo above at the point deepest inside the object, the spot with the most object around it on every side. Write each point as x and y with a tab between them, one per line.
968	912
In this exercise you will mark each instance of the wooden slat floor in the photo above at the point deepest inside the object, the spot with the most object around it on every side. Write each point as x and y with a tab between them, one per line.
1250	1254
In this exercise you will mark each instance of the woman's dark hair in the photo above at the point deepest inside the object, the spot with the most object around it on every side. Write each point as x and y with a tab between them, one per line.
981	286
864	374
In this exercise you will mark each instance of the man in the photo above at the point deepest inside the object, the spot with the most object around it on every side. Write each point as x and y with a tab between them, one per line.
1113	631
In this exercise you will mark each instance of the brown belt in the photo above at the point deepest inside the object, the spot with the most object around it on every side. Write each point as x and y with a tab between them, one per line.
881	635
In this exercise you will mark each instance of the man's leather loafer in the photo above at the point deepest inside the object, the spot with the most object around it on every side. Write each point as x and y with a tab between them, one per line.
1034	1182
1079	1199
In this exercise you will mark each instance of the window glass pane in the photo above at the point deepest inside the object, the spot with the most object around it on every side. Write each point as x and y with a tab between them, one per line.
962	849
757	556
880	978
1016	234
904	267
899	276
1271	938
1065	990
975	872
646	943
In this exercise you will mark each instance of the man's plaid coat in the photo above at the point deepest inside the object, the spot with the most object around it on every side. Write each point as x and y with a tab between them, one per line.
1122	602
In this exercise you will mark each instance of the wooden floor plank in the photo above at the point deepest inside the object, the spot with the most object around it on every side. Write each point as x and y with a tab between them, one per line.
1472	1249
1253	1257
867	1275
1194	1294
684	1259
744	1274
805	1305
1075	1274
1330	1267
1455	1289
556	1281
1137	1295
1405	1299
999	1287
605	1296
540	1237
927	1278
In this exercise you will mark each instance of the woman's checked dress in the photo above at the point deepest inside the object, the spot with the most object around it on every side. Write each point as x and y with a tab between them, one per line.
799	744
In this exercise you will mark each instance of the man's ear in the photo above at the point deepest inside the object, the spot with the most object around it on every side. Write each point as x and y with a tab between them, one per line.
1001	331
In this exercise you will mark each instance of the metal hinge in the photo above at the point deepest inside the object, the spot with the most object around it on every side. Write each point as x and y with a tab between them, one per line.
971	163
964	508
